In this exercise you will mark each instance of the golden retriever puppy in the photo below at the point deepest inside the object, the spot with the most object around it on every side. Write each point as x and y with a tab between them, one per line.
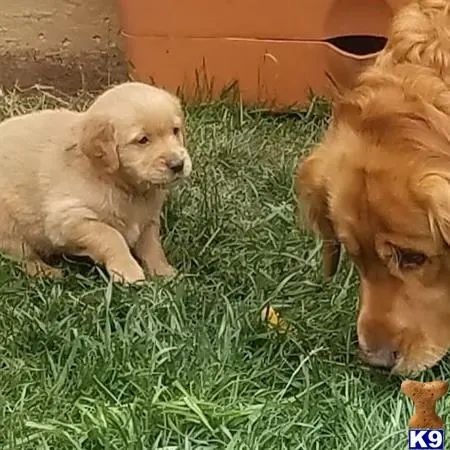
93	183
379	186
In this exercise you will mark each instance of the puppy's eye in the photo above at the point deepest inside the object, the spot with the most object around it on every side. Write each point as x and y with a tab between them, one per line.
143	140
410	259
176	131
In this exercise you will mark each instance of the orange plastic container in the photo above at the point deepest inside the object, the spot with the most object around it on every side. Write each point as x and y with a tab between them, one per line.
272	53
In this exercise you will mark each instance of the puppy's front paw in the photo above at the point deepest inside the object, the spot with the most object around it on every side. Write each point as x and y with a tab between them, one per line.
40	269
162	270
126	273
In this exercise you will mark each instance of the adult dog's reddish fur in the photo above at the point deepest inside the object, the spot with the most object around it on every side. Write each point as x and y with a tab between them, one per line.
379	185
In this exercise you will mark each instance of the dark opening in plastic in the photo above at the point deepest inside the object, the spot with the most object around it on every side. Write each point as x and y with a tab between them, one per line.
358	44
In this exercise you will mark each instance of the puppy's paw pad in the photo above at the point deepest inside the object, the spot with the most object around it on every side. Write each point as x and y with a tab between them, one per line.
131	276
163	270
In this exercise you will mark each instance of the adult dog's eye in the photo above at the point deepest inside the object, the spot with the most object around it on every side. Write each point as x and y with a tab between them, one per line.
143	140
176	131
410	259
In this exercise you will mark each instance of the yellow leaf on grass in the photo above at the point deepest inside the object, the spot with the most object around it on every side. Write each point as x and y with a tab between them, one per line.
273	319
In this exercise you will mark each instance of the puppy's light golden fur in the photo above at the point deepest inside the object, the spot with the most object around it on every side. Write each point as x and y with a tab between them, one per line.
93	183
379	185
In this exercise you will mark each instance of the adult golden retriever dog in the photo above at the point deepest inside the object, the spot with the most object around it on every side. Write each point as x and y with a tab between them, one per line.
379	186
93	183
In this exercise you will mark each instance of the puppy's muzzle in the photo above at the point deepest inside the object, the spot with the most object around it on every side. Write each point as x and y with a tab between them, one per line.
176	165
180	165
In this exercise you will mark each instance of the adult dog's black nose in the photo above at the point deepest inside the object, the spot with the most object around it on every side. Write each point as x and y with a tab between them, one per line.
176	165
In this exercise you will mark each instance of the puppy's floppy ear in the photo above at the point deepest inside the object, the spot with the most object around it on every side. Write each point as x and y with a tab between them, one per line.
311	190
183	138
434	190
98	142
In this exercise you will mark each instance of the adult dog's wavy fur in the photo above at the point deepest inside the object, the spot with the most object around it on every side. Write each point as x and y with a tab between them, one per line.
379	185
93	183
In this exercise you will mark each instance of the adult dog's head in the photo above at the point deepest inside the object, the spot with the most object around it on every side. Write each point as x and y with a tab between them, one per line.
379	186
136	132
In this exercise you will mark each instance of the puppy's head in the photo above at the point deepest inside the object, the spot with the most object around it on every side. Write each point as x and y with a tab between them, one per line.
379	185
137	131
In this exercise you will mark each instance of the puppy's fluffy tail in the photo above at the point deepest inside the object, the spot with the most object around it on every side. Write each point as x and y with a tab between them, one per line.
420	34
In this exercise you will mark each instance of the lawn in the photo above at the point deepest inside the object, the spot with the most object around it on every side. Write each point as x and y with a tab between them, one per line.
189	364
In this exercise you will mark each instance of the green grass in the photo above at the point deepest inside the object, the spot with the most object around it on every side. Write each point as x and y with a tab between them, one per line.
188	364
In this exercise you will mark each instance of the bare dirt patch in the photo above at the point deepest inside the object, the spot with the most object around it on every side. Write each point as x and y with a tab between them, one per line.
85	71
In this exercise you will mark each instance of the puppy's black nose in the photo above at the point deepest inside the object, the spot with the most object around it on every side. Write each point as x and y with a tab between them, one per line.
176	165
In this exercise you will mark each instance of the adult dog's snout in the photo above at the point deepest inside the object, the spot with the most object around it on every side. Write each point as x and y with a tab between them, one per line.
385	357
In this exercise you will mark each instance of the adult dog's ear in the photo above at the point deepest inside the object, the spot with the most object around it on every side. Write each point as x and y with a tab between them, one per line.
311	191
99	143
434	190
